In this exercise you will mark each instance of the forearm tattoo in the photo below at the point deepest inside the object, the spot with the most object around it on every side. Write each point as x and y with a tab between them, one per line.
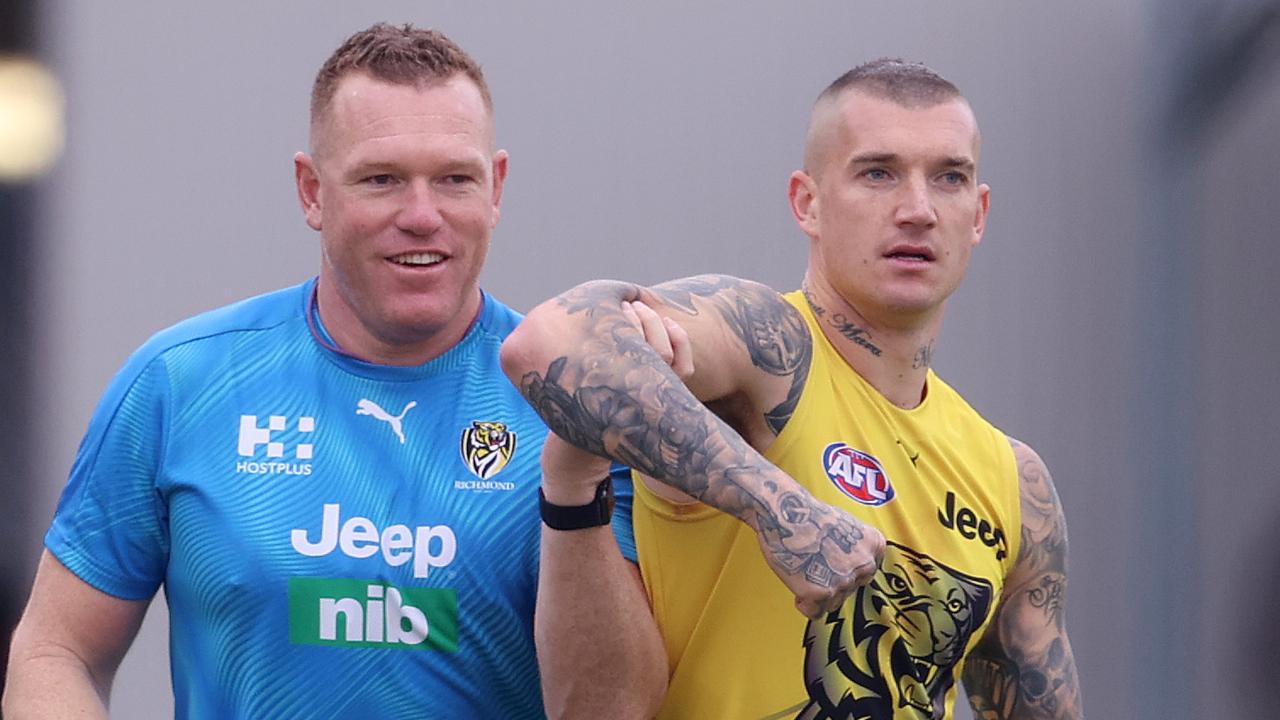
1024	668
613	395
857	335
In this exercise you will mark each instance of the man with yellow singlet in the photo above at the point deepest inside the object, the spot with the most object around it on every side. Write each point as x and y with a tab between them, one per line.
831	387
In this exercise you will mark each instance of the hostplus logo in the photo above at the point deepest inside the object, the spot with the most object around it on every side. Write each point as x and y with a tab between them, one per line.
275	450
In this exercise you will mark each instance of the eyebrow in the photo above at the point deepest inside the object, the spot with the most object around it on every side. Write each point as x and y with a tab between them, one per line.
872	158
961	163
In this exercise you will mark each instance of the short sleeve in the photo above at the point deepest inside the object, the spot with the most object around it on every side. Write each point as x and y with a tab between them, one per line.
110	527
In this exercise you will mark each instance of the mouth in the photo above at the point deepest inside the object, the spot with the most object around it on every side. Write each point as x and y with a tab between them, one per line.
417	259
910	253
924	670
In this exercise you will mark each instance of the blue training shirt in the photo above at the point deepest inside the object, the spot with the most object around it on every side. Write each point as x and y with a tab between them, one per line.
336	539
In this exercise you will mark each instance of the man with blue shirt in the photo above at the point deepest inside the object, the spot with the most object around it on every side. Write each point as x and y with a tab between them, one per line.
334	483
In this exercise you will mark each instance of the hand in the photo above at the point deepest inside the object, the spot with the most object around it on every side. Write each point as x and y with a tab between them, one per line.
664	335
820	552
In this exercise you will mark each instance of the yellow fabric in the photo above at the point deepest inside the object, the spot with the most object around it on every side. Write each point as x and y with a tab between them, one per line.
736	643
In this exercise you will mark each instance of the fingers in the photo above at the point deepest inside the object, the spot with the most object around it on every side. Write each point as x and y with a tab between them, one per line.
820	604
824	572
630	314
651	325
681	349
809	609
666	336
877	548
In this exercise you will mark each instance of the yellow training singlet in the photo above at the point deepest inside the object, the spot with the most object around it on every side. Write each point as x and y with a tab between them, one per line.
939	482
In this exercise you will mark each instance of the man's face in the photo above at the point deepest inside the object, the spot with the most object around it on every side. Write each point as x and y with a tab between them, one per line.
404	188
891	203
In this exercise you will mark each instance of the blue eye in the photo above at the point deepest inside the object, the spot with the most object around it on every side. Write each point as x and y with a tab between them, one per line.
877	174
955	178
383	179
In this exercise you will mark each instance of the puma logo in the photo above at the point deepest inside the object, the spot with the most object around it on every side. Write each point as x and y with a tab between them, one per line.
369	407
912	455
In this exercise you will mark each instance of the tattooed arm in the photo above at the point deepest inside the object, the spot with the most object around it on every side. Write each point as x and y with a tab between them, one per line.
593	379
1023	668
599	650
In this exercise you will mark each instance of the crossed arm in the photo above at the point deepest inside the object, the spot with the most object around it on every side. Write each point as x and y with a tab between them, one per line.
1023	668
590	375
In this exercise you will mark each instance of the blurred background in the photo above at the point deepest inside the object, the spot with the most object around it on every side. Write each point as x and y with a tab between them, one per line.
1120	315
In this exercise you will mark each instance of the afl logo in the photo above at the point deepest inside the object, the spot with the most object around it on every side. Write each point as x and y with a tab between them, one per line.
857	474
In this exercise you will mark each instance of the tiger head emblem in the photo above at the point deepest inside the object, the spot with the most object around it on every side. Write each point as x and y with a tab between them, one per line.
897	643
487	446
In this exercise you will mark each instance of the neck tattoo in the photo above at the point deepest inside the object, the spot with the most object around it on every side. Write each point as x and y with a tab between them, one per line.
857	335
924	357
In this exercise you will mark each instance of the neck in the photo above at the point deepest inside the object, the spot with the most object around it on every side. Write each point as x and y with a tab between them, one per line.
356	339
893	356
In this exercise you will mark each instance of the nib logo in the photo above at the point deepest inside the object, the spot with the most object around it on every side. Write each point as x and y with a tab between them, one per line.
364	613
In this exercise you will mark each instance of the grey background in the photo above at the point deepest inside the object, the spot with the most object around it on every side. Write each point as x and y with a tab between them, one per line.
1119	316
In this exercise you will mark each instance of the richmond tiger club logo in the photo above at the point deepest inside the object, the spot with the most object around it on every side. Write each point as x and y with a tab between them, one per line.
892	650
487	446
857	474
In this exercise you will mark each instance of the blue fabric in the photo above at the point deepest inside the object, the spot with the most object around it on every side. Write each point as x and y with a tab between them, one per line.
624	497
315	563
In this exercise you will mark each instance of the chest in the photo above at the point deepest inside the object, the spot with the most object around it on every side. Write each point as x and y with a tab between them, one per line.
937	486
314	479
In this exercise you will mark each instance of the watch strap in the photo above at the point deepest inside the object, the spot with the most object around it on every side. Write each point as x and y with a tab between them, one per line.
579	517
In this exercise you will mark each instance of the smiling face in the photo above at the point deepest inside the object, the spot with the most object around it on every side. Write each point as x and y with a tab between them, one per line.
890	201
404	187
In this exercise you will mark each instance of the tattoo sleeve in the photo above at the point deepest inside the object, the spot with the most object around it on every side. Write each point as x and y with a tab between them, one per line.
607	391
1023	668
774	333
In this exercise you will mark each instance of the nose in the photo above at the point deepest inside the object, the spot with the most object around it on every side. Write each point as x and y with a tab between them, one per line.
915	206
420	212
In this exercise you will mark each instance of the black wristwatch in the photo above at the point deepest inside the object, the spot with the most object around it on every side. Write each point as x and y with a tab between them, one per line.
578	517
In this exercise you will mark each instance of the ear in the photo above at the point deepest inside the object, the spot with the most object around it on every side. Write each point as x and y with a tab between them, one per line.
980	215
802	191
499	177
308	181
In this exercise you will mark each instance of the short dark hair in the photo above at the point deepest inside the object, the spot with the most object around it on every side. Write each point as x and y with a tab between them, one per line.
910	84
402	55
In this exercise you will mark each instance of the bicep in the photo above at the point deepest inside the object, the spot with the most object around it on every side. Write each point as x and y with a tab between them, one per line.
747	341
67	619
1024	666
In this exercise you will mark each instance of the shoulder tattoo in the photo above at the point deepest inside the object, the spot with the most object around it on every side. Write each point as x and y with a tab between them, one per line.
773	332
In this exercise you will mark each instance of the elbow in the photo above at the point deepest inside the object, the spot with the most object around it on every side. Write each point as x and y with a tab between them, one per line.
530	347
555	328
517	352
